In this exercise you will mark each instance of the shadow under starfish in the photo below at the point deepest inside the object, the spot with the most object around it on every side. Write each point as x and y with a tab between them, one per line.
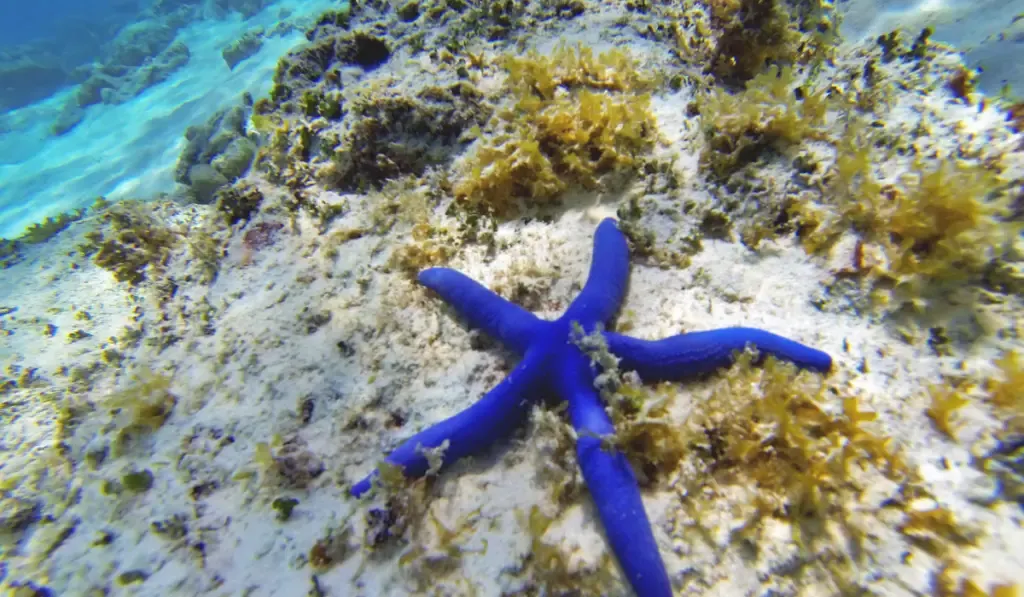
553	362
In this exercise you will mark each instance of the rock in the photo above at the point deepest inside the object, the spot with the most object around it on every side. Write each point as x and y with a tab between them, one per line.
27	80
246	8
139	42
216	153
142	54
16	514
243	47
318	63
234	162
204	181
398	135
116	84
68	118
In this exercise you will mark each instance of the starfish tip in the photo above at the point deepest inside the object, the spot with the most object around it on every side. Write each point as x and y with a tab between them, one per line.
608	223
431	276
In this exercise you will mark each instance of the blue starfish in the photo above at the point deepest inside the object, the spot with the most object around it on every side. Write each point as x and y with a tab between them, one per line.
554	363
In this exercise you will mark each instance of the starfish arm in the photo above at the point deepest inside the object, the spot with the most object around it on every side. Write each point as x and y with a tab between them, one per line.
612	483
482	308
686	355
472	430
606	283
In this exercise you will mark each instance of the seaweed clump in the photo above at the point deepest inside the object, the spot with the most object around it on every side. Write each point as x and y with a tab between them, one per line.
772	429
777	109
429	244
41	232
753	34
316	66
131	243
238	202
382	135
243	48
576	118
288	463
140	408
1002	392
9	253
930	229
549	566
1015	114
774	444
894	46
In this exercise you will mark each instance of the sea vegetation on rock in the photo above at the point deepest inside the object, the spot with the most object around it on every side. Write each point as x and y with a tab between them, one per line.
788	435
939	225
378	137
752	34
243	48
37	480
138	409
359	136
574	119
922	224
759	89
455	24
40	232
390	135
995	388
776	109
238	202
323	108
130	242
774	452
315	68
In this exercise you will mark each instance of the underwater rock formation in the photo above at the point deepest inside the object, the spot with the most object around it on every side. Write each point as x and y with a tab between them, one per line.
217	153
27	80
142	55
116	82
211	8
319	63
399	135
246	8
243	47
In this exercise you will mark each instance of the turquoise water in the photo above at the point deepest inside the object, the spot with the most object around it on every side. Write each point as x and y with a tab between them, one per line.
128	149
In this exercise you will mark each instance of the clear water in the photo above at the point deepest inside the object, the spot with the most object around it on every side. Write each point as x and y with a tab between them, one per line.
124	150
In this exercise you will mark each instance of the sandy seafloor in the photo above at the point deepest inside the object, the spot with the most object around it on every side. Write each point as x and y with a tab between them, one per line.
379	358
